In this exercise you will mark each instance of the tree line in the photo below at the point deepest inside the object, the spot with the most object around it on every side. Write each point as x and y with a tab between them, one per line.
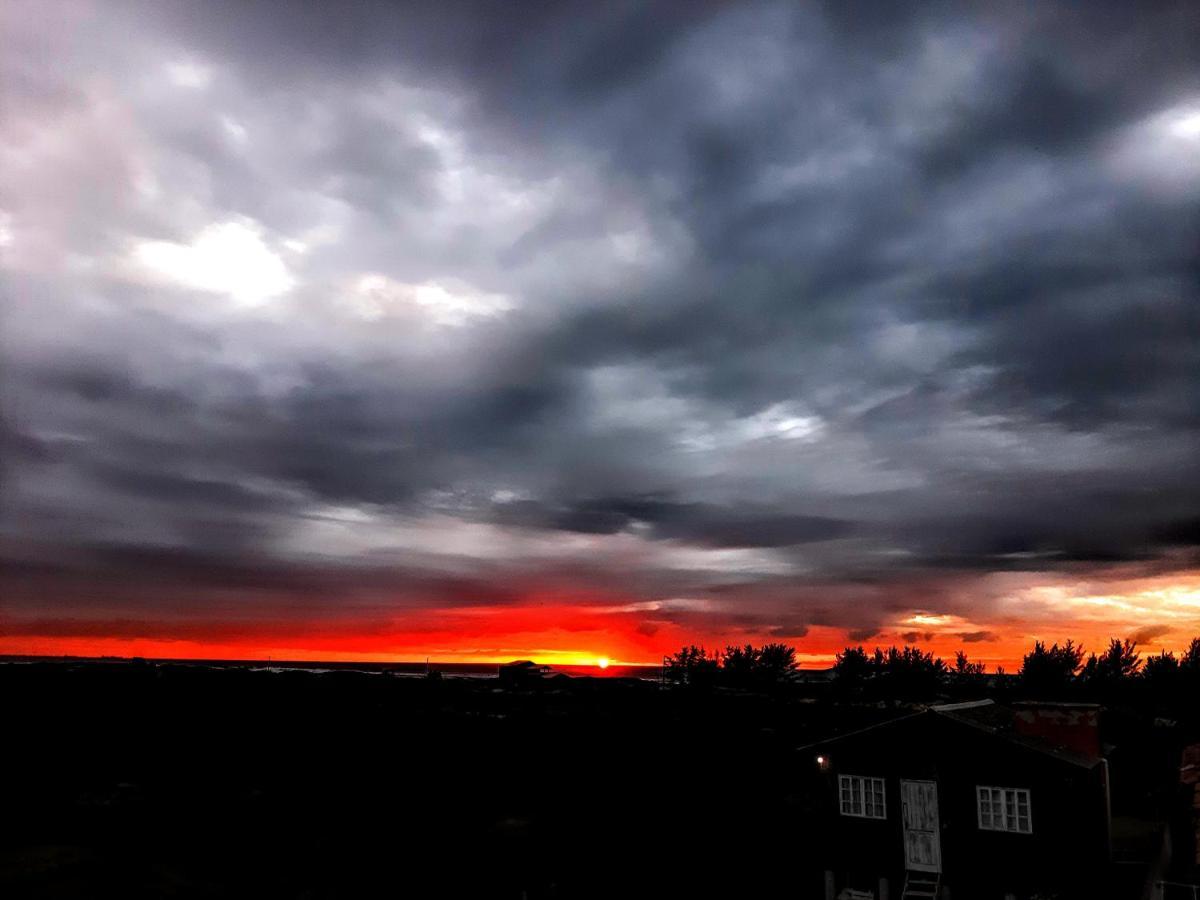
910	671
745	666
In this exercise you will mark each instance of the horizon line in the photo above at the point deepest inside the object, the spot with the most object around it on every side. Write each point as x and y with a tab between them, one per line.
271	660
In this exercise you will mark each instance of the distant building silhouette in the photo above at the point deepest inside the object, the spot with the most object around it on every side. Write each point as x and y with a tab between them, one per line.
522	673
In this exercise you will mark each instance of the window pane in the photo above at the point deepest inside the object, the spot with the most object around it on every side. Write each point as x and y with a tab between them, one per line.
860	795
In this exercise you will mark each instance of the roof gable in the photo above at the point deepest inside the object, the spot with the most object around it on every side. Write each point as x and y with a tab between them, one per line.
983	717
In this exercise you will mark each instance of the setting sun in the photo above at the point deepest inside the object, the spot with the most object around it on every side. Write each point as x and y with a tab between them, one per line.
602	662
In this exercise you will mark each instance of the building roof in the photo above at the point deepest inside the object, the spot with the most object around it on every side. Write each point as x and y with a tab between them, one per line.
984	716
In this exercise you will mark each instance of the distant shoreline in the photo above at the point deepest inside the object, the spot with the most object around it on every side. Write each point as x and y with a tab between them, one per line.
398	667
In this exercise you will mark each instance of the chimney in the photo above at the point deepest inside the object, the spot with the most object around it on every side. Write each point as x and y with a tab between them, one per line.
1068	726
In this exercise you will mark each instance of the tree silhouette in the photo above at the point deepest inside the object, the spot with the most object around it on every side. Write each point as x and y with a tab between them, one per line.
964	668
747	666
776	663
692	665
908	671
1190	661
765	666
852	666
1045	670
1117	663
1161	670
739	665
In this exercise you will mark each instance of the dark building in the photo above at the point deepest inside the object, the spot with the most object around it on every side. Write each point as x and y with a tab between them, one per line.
522	673
971	800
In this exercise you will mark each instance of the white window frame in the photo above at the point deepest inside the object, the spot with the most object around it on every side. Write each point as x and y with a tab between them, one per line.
862	796
1004	809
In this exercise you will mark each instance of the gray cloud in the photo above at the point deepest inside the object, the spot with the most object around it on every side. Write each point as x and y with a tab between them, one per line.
766	297
1149	633
975	637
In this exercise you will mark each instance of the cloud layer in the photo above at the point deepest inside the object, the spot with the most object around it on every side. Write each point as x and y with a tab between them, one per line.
393	329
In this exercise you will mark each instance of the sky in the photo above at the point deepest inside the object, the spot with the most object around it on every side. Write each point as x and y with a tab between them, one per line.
568	330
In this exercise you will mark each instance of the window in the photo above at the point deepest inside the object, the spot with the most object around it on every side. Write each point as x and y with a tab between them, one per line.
861	796
1004	809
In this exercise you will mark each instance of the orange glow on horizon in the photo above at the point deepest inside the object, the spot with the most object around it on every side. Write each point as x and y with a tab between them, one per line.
1014	610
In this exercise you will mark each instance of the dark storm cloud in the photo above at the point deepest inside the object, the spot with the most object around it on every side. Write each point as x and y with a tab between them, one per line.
862	634
974	637
841	296
1149	633
698	523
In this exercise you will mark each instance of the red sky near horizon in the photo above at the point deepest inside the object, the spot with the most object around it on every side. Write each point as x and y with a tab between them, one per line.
1161	613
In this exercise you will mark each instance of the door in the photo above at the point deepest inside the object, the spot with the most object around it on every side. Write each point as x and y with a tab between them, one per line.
922	839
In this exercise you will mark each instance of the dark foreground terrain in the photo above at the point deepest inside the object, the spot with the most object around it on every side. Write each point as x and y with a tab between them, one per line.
135	779
148	780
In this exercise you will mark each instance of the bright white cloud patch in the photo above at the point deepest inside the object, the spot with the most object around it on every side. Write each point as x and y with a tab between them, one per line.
449	303
191	75
1163	150
234	129
780	421
228	258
